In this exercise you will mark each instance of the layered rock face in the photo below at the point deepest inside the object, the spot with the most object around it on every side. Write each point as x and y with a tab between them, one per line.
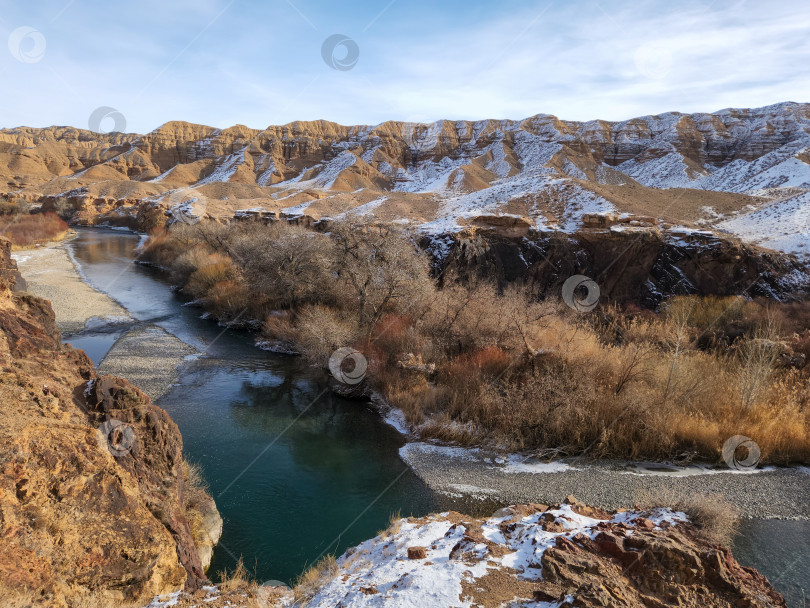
92	485
434	176
642	265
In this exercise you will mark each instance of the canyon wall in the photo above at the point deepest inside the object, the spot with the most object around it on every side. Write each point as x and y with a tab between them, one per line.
93	491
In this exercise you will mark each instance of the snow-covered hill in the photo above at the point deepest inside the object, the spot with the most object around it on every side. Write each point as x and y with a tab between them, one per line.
684	167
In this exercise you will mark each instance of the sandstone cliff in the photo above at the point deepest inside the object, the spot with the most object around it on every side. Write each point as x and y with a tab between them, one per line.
744	171
92	482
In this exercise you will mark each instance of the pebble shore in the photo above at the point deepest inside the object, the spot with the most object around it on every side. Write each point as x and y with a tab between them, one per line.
775	492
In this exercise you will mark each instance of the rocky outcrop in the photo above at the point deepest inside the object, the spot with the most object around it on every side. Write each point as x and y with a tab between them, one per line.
92	485
205	524
637	565
568	556
637	264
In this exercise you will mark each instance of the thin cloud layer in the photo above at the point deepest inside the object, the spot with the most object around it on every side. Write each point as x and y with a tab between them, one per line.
222	62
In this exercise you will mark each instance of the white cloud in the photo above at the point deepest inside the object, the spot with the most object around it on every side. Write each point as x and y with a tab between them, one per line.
260	64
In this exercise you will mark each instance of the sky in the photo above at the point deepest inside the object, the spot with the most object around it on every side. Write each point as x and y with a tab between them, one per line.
134	66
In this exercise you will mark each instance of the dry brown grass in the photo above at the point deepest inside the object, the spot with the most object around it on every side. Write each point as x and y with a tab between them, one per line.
314	578
394	525
715	517
238	579
510	370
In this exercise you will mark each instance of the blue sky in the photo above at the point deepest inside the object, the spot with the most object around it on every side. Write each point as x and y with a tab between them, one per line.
225	62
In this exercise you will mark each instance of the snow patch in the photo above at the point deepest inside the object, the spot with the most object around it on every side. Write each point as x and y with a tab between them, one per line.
518	464
378	572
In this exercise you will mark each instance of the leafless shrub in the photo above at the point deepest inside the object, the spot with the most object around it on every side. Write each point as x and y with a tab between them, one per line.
382	270
25	229
633	363
714	516
758	355
322	330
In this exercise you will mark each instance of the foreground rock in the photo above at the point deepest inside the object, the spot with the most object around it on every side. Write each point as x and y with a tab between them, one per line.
532	555
92	477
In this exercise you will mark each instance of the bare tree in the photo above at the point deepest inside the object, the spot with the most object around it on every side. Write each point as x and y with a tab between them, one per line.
289	264
382	269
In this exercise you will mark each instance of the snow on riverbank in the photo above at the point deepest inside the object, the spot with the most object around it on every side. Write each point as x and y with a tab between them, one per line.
480	475
383	572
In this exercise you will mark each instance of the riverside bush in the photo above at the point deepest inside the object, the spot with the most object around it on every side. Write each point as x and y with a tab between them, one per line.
24	230
471	365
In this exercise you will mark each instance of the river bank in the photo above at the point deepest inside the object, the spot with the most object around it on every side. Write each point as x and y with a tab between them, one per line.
149	357
772	492
142	353
51	274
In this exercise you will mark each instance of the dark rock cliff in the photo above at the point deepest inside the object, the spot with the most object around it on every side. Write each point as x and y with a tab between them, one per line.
641	267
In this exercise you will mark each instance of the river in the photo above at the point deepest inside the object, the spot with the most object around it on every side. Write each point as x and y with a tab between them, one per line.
297	472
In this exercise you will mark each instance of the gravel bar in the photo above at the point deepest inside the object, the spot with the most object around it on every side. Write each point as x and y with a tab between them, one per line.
770	493
148	357
50	273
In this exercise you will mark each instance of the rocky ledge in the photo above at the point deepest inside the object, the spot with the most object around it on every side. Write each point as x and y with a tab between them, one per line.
95	498
533	555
